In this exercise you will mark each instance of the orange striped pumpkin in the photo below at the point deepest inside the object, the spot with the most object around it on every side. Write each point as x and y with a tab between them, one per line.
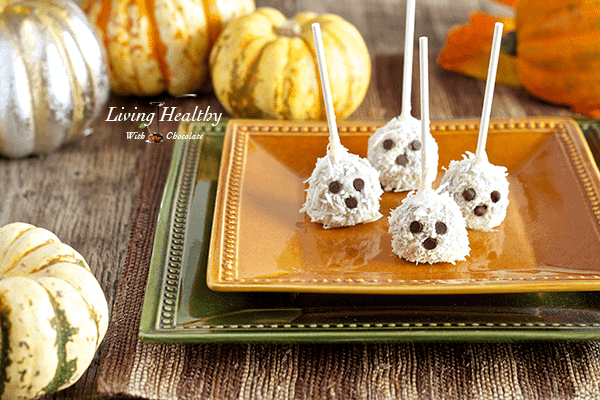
264	66
160	45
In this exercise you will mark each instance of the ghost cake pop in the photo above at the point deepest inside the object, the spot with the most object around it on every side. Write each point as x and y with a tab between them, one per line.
343	189
479	187
428	227
394	149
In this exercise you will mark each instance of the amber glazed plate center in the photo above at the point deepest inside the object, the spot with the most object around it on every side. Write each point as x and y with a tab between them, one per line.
550	239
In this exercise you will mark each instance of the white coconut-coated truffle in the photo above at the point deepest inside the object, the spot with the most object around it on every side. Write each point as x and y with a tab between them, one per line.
480	189
395	151
428	227
343	191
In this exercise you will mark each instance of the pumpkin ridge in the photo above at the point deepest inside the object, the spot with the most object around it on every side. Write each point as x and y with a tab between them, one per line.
194	53
311	48
59	259
76	92
84	94
96	316
26	253
17	48
266	12
8	246
158	47
292	79
287	79
34	358
65	369
36	101
247	87
278	89
47	254
349	76
249	84
213	21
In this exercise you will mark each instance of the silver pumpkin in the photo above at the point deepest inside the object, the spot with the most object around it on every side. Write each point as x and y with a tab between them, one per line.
53	76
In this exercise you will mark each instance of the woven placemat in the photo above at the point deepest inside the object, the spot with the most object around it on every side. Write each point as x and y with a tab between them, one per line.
131	368
134	369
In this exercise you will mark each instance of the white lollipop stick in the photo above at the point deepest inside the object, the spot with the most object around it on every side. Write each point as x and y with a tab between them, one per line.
424	80
489	92
409	38
334	138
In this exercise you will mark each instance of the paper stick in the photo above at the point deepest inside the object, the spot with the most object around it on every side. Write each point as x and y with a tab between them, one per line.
424	80
489	92
409	38
334	138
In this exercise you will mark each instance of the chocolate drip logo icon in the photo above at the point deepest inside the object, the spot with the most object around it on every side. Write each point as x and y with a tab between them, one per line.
157	137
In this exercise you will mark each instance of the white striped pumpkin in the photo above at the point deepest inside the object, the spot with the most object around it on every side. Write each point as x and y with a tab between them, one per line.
53	313
160	45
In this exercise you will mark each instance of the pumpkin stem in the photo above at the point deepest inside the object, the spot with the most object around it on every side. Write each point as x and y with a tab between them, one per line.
289	28
509	44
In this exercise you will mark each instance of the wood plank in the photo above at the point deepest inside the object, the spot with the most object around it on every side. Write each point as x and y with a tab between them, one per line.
381	22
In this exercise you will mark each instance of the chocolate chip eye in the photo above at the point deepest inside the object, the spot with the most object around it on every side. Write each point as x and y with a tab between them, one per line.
441	227
480	210
415	145
335	187
430	243
416	227
388	144
402	160
351	202
359	184
469	194
495	196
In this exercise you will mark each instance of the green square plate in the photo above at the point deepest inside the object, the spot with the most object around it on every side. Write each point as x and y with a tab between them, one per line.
179	307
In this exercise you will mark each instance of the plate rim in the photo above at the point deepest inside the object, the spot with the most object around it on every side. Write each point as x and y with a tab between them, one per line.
222	253
153	330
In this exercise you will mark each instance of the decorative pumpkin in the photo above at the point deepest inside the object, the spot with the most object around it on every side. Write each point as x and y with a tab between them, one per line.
53	313
468	49
264	66
558	51
158	45
553	50
53	79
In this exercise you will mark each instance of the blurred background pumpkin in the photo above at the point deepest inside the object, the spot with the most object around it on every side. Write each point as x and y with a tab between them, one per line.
552	48
558	51
53	76
263	65
160	45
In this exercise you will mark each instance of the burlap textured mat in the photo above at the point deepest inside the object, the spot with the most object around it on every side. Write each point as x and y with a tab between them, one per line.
346	371
130	368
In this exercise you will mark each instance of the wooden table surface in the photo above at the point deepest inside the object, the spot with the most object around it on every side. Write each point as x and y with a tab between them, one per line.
85	193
